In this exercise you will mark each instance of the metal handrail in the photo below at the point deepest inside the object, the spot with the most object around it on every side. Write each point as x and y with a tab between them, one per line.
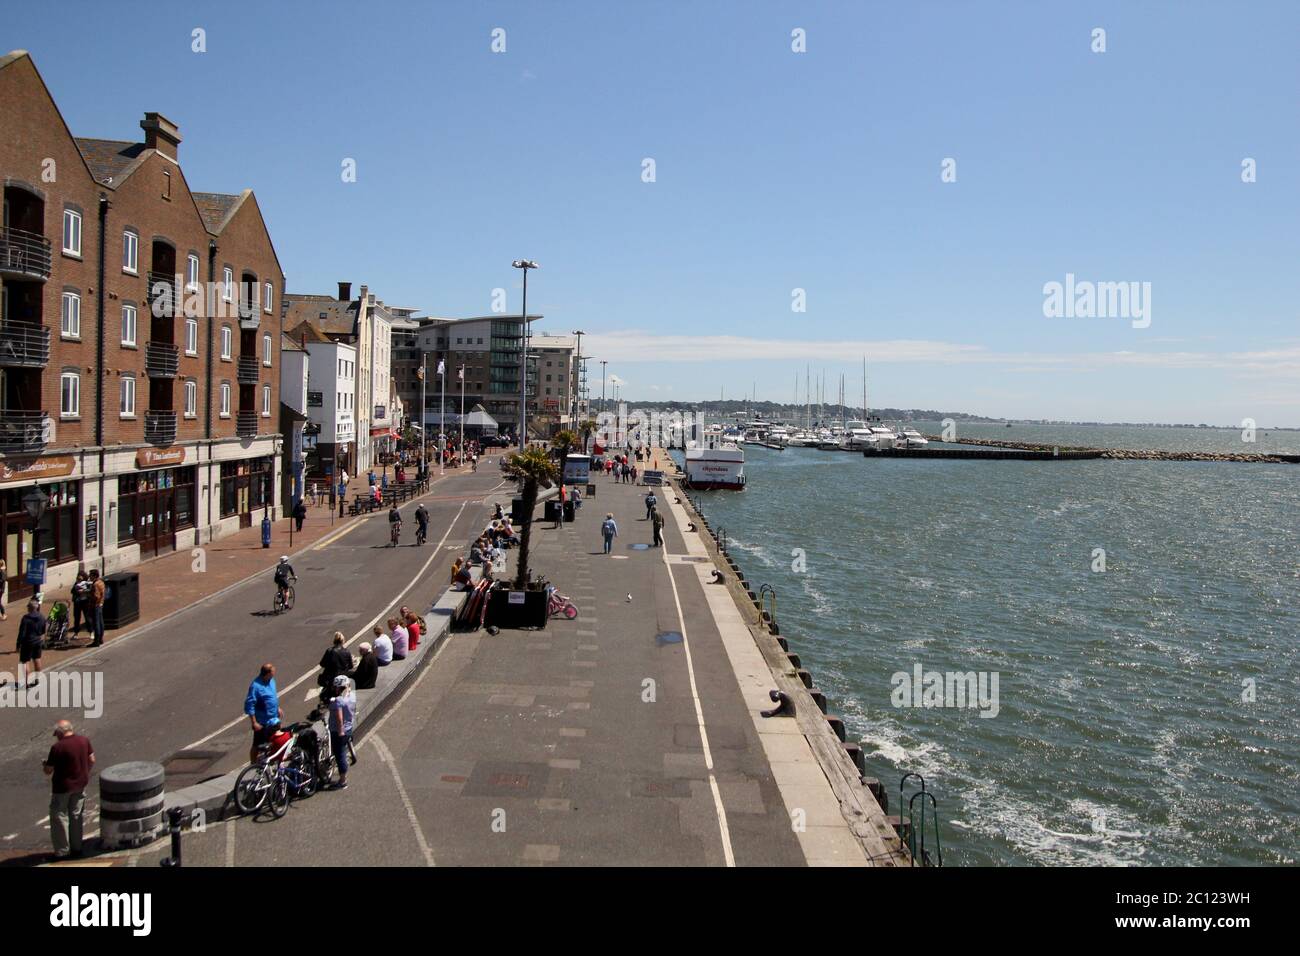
246	424
248	369
24	345
160	426
23	430
23	252
162	293
161	360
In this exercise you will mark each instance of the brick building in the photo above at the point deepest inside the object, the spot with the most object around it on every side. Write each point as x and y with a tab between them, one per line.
139	345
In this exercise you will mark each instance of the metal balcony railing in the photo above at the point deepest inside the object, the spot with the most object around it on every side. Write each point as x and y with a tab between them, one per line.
160	427
161	360
24	346
248	370
246	424
162	294
22	431
24	254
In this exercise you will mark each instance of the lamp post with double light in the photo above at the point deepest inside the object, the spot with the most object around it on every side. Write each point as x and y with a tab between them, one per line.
525	265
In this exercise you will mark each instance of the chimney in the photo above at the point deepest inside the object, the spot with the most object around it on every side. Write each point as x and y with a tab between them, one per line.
345	291
161	134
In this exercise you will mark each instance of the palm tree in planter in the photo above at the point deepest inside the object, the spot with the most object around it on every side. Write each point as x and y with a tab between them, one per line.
562	443
533	469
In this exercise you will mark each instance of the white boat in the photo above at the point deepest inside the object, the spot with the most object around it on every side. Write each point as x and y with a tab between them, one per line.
884	436
910	438
717	465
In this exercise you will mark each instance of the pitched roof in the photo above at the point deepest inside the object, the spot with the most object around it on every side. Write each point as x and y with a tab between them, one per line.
305	331
215	208
331	316
109	159
288	343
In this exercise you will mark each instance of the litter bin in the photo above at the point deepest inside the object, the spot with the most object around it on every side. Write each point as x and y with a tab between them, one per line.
517	511
552	510
121	599
568	511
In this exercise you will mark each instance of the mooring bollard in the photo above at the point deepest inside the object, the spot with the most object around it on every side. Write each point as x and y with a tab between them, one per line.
174	816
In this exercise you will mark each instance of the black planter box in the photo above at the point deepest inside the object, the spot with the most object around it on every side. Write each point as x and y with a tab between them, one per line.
502	613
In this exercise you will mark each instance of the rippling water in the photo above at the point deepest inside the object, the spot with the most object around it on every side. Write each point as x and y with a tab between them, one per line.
1122	736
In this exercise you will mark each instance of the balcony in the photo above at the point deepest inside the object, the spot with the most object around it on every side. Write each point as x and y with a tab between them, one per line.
249	315
161	360
24	255
24	346
160	427
248	370
162	295
246	424
24	432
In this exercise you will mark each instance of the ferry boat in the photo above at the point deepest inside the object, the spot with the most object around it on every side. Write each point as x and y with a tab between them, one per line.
718	465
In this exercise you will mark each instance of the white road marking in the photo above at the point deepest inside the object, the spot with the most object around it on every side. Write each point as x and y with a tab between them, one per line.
365	630
387	757
230	843
699	717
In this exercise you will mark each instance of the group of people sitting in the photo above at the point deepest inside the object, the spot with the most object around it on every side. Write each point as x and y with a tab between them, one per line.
401	639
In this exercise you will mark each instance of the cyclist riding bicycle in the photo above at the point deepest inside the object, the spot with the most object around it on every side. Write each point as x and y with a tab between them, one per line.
284	576
421	523
395	523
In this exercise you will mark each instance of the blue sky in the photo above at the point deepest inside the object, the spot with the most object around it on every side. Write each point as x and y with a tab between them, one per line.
774	171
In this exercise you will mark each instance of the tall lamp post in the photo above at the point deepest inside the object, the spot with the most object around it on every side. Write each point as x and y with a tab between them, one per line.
34	503
525	265
603	363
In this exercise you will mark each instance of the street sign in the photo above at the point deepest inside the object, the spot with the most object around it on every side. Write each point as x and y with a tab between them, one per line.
36	571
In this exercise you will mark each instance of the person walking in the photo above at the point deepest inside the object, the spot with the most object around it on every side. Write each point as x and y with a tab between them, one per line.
4	589
68	767
299	514
657	521
609	530
343	711
651	501
262	705
31	634
96	607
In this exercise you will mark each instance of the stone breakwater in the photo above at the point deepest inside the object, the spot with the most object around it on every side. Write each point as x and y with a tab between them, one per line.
1127	454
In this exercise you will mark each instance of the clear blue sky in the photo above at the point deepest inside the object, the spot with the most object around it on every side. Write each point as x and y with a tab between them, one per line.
775	170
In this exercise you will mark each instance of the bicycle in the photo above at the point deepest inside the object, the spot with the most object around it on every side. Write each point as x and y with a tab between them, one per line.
420	534
284	598
276	778
557	605
396	532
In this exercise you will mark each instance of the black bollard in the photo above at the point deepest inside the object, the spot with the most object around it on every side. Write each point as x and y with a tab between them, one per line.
174	816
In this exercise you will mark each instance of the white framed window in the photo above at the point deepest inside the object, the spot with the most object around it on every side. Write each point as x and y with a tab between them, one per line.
266	401
70	395
70	316
192	272
191	399
72	232
266	350
225	399
130	252
128	325
127	397
191	336
226	339
228	284
267	293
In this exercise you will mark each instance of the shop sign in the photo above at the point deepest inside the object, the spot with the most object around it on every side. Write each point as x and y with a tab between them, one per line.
157	457
57	466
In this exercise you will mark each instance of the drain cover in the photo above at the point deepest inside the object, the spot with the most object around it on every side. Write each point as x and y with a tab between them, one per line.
668	637
191	761
639	547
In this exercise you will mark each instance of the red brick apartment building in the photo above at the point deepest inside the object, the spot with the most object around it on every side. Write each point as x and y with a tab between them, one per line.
139	345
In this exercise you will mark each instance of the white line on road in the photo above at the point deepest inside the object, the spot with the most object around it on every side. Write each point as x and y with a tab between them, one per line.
365	630
230	844
387	757
699	717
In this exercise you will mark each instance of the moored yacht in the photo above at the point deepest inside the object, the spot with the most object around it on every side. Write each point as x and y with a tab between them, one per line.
715	465
909	437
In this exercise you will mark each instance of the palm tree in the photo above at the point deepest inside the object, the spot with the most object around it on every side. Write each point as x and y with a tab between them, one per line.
562	443
533	469
585	430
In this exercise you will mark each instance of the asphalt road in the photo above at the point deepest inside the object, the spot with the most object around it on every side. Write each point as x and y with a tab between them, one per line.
180	686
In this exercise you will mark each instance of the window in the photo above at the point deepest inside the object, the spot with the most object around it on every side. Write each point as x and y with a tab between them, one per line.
225	343
130	252
167	185
128	325
191	399
266	297
266	401
70	322
72	232
266	350
70	392
60	526
127	395
191	336
228	284
192	272
225	399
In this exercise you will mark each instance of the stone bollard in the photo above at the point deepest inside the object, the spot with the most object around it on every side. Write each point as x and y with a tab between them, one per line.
130	804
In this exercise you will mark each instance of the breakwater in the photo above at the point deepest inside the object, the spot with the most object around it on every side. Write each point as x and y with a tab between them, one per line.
1122	454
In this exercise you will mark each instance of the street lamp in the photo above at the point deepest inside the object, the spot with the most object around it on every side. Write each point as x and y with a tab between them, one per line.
603	363
34	503
577	393
524	264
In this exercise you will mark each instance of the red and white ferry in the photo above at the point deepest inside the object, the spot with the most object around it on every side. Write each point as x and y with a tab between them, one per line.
715	464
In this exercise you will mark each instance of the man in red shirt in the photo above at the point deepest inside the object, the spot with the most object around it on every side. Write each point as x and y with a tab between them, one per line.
68	765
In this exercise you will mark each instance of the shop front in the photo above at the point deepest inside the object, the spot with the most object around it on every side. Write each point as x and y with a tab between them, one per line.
56	537
154	503
246	487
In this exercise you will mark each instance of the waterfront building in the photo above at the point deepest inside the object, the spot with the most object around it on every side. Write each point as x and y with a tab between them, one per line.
139	345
